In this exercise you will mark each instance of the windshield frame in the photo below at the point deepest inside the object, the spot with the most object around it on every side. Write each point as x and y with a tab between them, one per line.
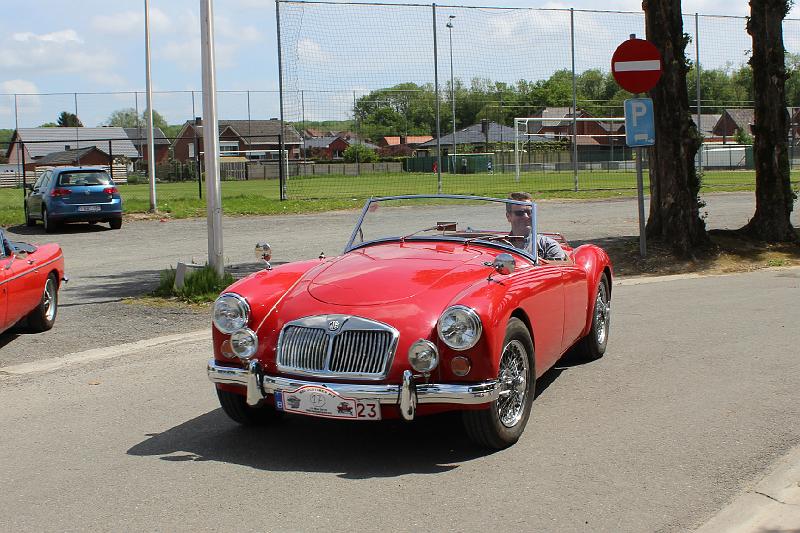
534	255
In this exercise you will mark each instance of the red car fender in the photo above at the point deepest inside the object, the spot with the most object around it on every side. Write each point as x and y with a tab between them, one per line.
594	260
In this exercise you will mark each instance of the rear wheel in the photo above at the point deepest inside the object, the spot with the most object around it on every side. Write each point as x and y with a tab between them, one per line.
593	345
237	410
49	224
28	220
115	223
502	424
44	316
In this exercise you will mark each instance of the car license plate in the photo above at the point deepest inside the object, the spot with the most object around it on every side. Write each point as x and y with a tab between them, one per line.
88	208
321	401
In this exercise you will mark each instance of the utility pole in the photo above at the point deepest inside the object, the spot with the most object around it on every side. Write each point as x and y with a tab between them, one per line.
151	164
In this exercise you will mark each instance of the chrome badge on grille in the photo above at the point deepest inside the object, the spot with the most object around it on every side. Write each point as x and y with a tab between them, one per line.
333	325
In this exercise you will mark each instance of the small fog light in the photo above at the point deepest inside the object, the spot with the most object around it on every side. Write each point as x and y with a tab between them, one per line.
423	356
226	349
244	343
460	365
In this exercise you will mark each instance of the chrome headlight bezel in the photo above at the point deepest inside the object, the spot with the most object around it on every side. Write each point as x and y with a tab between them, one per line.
244	343
228	323
416	349
469	320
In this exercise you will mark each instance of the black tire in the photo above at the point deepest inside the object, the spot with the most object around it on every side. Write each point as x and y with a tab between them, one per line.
237	410
115	223
502	424
44	315
49	224
593	345
28	220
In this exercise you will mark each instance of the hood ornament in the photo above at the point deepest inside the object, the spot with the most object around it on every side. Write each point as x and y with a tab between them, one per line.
264	253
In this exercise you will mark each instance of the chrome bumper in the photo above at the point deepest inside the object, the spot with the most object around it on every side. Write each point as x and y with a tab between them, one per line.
406	395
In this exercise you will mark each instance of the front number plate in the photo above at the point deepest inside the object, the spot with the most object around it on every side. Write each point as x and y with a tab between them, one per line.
88	208
320	401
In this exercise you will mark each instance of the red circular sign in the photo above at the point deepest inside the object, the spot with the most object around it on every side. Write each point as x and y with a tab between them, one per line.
636	65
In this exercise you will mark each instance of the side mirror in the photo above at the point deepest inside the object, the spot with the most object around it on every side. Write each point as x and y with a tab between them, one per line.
504	264
264	253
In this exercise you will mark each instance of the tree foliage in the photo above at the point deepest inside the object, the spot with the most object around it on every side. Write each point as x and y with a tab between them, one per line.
127	118
358	153
69	120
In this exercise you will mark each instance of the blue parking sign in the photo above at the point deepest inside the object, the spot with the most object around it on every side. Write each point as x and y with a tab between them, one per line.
639	126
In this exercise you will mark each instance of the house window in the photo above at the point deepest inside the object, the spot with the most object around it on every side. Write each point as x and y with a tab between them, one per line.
228	148
191	151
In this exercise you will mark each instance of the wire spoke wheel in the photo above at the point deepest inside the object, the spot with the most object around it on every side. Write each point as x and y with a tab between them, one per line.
49	300
513	377
602	313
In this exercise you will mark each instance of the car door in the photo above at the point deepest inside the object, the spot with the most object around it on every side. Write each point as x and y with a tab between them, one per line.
4	274
544	305
34	198
576	296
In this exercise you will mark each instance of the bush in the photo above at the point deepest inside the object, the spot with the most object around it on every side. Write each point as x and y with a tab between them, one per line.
204	285
360	153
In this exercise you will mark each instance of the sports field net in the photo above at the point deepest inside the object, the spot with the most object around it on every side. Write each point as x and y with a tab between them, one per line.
361	84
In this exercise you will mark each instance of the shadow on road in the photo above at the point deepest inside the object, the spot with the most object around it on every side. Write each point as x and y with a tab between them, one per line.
112	287
354	450
78	227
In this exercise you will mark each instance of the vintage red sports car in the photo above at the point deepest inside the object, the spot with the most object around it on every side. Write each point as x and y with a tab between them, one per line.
30	277
438	303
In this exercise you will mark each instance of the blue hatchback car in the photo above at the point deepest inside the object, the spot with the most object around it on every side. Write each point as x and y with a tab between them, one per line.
73	194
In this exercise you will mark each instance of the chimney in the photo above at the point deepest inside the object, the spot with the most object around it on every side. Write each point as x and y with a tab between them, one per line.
403	139
198	121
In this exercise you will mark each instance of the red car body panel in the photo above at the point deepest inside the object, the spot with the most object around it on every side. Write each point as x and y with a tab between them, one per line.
22	281
408	285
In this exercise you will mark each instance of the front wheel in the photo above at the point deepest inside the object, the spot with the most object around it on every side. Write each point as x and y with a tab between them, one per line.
43	316
502	424
593	345
237	410
28	220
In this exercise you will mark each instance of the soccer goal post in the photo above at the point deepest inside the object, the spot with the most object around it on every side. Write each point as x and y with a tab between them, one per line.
548	129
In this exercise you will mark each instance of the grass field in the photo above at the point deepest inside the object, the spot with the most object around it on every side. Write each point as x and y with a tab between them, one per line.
325	193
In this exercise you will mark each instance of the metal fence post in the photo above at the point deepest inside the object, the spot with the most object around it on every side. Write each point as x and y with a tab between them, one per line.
281	147
697	73
574	101
110	160
438	125
19	142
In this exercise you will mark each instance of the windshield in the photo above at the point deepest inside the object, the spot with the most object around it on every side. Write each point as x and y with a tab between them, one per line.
506	223
92	177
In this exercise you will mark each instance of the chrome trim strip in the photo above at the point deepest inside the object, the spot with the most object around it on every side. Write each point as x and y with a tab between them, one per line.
29	271
259	385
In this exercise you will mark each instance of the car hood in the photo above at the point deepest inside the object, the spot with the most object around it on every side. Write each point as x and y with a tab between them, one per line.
389	273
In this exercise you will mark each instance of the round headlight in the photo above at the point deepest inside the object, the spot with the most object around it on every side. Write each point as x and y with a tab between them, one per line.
244	343
459	327
423	356
231	312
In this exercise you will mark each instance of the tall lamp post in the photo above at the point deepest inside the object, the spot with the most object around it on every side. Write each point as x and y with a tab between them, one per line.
452	90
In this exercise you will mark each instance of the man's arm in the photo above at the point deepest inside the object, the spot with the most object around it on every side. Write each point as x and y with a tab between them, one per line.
550	249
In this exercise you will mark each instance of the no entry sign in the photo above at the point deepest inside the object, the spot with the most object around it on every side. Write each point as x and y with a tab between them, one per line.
636	65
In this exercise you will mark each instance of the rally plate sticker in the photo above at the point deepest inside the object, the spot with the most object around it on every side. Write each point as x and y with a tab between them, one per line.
323	402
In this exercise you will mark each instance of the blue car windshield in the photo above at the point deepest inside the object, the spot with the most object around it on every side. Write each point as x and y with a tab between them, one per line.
82	178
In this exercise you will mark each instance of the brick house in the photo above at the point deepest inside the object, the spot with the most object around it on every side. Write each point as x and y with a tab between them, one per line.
256	140
329	148
39	142
161	144
732	121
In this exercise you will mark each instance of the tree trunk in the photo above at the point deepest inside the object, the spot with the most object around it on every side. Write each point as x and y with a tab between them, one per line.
774	196
674	184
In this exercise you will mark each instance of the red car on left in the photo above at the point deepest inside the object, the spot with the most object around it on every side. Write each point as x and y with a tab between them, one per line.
30	277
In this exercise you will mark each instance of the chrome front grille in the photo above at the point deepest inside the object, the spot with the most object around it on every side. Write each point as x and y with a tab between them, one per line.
337	346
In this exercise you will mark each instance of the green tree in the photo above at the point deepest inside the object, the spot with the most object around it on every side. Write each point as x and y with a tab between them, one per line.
127	118
359	153
69	120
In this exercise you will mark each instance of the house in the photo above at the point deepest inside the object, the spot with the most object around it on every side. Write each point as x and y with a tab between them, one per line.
161	144
31	144
557	123
733	121
708	122
408	140
325	147
256	140
315	133
90	156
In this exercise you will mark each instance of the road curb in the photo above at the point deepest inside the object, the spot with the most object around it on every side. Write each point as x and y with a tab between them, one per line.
773	504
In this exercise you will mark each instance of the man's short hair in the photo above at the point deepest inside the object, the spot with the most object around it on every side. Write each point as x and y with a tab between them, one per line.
520	196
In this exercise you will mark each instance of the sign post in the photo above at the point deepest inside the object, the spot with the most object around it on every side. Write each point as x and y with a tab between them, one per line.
636	65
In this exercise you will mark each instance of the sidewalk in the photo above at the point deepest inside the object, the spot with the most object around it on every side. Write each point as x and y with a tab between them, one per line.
772	506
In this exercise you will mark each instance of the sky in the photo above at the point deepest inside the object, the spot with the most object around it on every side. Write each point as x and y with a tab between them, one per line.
52	46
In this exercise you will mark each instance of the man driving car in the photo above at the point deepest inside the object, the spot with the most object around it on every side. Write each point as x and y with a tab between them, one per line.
519	216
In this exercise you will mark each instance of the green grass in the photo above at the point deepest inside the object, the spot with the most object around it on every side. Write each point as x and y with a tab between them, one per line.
326	193
201	286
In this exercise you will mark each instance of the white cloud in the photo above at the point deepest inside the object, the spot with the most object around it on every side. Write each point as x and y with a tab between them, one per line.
311	52
63	36
25	104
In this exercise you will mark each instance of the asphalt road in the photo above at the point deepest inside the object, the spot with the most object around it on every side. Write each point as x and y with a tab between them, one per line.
105	266
695	397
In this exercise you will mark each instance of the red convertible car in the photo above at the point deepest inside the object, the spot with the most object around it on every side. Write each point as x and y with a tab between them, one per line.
30	277
435	305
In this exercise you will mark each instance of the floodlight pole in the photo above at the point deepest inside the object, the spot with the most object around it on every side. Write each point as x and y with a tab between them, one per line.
438	122
452	87
151	166
211	138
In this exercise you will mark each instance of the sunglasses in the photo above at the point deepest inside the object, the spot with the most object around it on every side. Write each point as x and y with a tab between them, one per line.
522	212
